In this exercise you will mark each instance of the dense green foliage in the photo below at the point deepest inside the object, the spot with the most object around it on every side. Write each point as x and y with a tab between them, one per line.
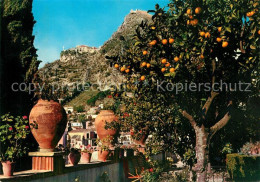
78	108
100	95
243	167
18	54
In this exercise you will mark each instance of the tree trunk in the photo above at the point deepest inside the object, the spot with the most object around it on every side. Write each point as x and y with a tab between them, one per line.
203	139
202	153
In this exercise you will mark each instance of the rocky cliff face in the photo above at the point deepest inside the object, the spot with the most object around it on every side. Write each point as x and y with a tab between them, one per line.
89	65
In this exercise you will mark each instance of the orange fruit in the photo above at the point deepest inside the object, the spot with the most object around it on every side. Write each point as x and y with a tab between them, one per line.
145	52
219	29
202	34
164	41
218	39
163	69
194	22
198	10
172	70
189	11
207	35
148	65
258	32
191	17
142	78
116	66
153	28
249	14
128	66
143	64
122	69
188	22
167	64
171	40
224	44
164	61
127	70
201	56
176	59
153	42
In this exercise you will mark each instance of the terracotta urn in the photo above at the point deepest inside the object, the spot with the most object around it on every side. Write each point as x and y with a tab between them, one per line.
105	135
74	158
103	155
85	157
48	121
8	168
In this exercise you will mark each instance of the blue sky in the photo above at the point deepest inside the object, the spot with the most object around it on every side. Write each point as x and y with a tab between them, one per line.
70	23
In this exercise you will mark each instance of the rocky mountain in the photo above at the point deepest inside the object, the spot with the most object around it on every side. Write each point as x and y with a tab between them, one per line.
84	64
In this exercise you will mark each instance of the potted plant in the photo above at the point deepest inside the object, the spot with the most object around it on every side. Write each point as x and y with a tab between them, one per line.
86	154
103	149
13	132
47	118
74	156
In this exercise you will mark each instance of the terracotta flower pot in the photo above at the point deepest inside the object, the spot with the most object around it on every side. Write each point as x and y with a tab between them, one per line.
8	168
103	155
85	157
74	158
48	121
100	123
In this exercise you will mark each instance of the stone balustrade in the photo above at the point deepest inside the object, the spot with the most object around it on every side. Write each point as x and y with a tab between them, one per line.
116	169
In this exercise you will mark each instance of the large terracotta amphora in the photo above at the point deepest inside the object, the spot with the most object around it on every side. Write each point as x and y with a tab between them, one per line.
105	135
48	121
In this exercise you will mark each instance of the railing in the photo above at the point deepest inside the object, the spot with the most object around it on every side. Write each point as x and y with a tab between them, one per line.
116	169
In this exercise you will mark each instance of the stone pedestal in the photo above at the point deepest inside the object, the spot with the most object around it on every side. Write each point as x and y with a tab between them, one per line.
50	161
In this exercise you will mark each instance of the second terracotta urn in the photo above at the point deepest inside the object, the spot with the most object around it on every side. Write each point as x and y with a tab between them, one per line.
105	135
48	121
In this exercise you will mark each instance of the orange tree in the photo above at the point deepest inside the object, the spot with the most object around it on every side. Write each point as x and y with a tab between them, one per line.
191	62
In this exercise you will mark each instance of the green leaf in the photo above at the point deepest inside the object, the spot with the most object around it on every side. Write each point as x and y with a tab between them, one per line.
137	43
228	29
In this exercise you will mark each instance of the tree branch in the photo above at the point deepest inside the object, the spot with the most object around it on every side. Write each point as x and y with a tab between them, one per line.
206	106
221	123
213	94
213	71
189	117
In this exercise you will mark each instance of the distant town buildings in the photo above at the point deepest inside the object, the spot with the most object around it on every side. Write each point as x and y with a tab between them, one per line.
68	109
72	53
84	48
82	132
82	137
